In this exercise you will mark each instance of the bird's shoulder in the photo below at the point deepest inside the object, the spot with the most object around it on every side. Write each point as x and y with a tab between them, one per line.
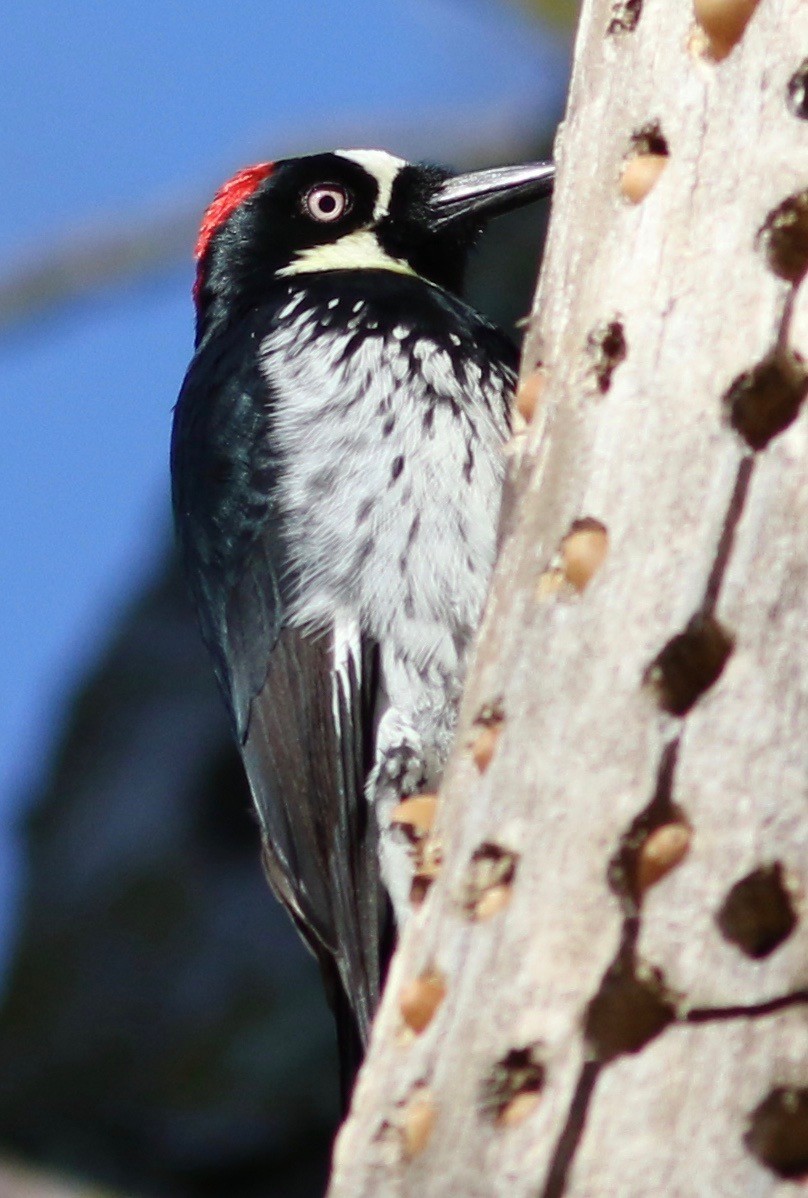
218	447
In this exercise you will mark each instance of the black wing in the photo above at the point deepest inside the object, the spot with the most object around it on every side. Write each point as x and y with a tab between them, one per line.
304	729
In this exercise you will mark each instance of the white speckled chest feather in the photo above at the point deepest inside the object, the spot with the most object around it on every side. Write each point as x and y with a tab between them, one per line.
390	480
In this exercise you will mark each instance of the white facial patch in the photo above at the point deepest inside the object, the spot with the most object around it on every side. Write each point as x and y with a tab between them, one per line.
383	167
359	250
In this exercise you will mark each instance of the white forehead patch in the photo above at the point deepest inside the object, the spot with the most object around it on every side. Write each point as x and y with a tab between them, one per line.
384	167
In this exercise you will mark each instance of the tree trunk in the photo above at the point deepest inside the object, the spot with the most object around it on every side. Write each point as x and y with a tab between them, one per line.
605	990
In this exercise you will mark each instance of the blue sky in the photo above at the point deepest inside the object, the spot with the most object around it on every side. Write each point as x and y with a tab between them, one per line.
110	113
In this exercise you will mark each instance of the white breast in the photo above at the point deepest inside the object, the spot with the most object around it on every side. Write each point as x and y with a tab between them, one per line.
391	512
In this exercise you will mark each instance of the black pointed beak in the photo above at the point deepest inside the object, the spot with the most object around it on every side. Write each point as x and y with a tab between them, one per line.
482	194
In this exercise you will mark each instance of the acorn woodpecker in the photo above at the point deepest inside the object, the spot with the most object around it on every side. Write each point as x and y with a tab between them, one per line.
336	465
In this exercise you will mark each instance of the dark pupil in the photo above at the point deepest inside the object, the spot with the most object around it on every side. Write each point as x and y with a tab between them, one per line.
328	203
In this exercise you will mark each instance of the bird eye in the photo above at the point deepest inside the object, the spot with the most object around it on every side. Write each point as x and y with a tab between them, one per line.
326	202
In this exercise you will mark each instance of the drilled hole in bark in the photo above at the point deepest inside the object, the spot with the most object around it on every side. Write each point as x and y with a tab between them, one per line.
764	401
644	163
415	816
627	873
624	16
583	551
511	1090
420	999
778	1132
489	879
428	862
661	851
487	728
419	888
484	745
797	91
723	23
758	914
576	561
655	844
492	712
783	237
690	664
630	1009
606	349
407	1133
649	140
528	397
486	732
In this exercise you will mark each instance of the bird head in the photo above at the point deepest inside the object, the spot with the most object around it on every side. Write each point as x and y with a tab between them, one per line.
346	210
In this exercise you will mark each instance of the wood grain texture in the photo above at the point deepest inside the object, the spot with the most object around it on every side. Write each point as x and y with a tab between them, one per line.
638	440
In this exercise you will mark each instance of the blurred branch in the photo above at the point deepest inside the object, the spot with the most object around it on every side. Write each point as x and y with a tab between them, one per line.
19	1182
562	13
79	268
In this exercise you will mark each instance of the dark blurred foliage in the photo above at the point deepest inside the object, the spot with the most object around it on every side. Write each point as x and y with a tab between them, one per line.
163	1030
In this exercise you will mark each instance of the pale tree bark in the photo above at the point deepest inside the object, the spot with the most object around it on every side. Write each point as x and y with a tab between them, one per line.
605	991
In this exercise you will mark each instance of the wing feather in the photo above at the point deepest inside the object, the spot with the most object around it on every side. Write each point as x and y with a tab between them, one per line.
305	727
